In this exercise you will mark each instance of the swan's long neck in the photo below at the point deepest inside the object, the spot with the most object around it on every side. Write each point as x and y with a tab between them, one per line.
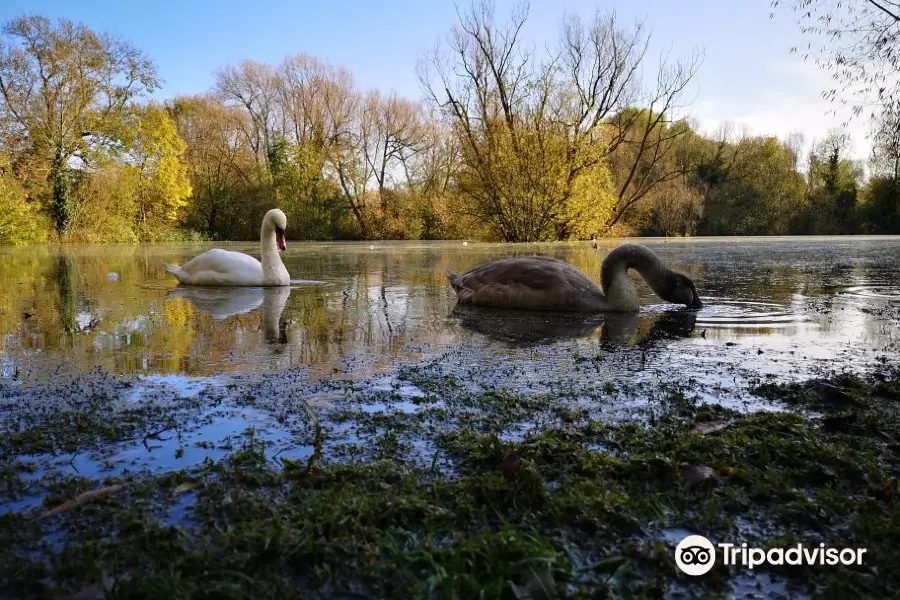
617	287
268	250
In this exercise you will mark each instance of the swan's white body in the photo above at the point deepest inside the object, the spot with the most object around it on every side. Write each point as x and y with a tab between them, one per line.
227	268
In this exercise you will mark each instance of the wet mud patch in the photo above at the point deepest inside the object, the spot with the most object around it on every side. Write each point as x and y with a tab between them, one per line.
97	426
428	485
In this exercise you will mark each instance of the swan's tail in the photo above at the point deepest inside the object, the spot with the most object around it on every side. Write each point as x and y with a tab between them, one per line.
176	271
463	293
453	278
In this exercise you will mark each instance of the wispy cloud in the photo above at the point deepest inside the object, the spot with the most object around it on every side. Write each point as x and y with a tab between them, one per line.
791	101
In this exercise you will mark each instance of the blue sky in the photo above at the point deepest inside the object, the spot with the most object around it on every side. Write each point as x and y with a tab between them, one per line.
748	75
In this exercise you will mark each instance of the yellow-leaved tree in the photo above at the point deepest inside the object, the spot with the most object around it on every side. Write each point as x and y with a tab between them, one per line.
159	174
21	222
528	182
533	138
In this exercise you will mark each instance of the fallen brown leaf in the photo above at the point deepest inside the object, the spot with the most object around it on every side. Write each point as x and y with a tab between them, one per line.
83	498
887	490
712	427
510	465
697	474
187	486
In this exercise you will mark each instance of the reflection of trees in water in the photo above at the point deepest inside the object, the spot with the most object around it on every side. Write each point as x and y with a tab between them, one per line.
28	286
74	310
368	312
871	308
67	305
374	303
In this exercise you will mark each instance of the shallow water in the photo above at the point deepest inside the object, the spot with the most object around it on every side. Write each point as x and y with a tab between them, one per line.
360	309
384	316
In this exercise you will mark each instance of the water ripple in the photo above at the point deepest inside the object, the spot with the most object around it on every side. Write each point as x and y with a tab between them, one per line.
727	313
872	291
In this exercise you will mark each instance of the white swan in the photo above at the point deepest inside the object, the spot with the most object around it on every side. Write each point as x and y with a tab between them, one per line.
226	268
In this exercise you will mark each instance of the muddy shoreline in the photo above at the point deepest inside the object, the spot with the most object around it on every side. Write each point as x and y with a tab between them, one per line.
433	484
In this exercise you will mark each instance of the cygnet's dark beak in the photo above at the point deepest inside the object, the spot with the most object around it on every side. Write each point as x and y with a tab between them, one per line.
279	237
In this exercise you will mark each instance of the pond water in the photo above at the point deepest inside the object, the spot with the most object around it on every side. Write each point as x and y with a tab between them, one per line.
775	306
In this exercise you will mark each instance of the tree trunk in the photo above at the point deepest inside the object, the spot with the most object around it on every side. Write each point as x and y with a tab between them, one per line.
61	207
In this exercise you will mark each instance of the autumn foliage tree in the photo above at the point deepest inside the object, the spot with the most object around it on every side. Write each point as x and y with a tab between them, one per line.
859	45
65	91
20	221
160	175
220	167
535	135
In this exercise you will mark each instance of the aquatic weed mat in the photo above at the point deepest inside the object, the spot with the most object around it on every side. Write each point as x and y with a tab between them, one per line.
426	489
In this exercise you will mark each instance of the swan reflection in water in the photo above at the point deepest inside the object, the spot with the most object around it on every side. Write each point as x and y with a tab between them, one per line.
221	303
532	328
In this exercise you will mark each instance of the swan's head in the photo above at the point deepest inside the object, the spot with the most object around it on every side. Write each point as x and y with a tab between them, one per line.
679	289
276	219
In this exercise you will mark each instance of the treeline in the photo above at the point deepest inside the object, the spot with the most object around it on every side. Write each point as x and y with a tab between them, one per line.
758	185
507	144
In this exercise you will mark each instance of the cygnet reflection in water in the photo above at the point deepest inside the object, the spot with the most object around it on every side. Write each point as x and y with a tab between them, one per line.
222	302
532	328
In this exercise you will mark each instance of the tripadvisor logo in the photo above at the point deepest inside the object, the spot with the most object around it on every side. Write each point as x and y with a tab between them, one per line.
695	555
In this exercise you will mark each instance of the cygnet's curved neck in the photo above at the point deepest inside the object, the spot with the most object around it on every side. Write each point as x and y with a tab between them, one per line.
632	256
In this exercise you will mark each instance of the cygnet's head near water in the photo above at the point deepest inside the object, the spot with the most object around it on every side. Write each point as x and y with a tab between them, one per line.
679	289
278	221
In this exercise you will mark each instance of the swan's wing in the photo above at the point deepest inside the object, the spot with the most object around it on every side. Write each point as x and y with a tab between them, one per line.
534	272
222	268
534	282
221	261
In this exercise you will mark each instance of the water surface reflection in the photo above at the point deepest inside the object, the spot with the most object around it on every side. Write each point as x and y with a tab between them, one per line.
360	310
221	303
527	328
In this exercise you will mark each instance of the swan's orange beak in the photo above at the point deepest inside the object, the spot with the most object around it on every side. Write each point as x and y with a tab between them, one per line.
282	245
